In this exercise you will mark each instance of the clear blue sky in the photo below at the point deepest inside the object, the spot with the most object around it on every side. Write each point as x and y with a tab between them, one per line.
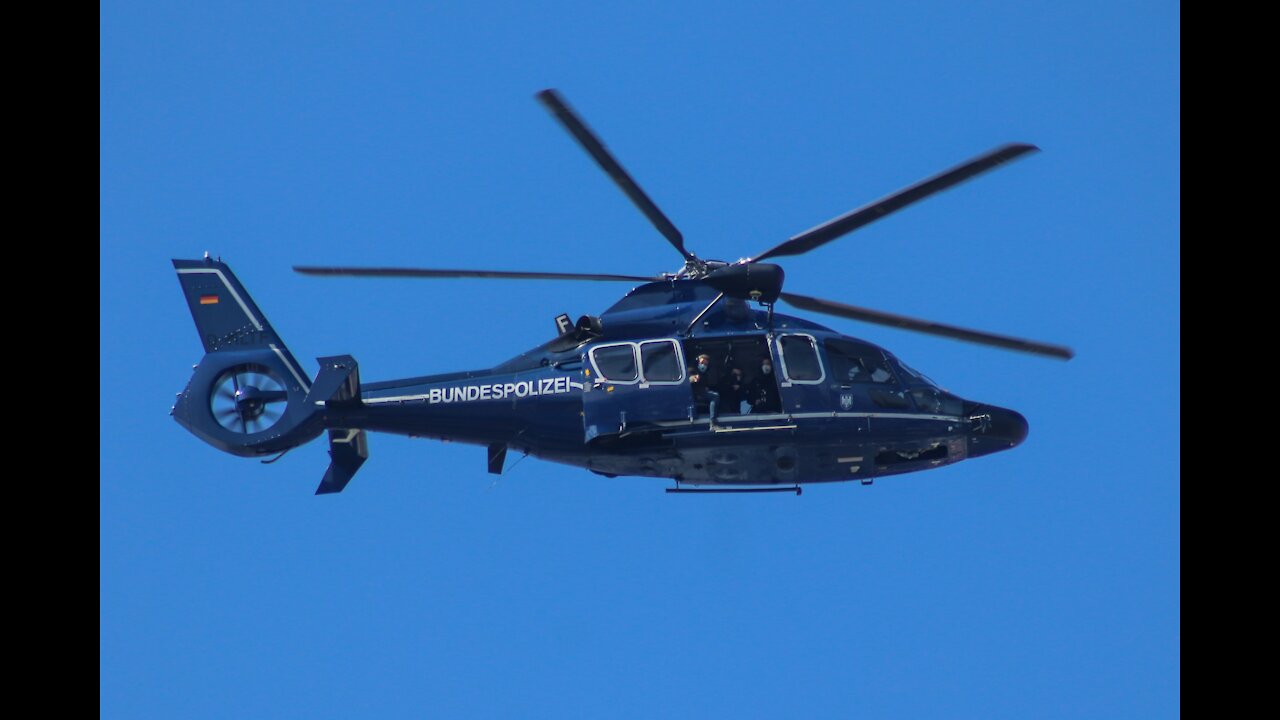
1042	582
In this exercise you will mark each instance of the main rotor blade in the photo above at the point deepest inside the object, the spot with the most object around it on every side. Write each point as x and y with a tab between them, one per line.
489	274
597	150
852	312
847	223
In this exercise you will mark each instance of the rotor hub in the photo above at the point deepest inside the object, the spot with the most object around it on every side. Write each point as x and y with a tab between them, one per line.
248	399
250	402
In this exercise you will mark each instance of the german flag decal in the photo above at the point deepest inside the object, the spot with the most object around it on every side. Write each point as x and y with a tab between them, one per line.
208	299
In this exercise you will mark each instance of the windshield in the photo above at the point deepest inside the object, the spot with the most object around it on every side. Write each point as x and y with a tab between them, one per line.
913	376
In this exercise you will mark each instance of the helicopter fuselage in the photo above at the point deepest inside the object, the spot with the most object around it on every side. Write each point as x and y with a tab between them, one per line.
621	401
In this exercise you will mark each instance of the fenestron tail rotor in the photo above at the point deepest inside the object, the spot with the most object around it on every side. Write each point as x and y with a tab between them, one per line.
248	399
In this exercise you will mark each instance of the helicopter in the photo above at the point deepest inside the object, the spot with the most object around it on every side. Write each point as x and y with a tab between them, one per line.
692	376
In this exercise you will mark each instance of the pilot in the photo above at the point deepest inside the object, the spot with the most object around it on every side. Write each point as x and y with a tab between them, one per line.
858	372
762	391
702	377
880	375
855	371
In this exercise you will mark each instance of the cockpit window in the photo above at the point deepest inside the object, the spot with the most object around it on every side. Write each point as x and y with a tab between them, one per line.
854	362
937	402
800	358
915	377
888	398
616	363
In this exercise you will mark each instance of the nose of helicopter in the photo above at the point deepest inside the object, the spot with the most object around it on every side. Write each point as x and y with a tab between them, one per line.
993	429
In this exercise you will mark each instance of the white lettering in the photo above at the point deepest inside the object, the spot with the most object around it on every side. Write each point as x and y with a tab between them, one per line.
501	391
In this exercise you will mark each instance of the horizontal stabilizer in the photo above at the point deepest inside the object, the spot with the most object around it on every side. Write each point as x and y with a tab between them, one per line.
348	449
338	381
497	458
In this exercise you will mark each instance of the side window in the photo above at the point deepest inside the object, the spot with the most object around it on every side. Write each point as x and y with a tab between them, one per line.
853	362
616	363
660	361
800	359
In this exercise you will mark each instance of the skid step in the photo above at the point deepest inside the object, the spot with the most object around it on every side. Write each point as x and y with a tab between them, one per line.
789	488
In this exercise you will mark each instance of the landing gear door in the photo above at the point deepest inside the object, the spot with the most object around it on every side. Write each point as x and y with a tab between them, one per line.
630	385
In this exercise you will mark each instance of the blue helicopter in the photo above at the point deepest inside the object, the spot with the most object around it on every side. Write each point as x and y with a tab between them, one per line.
692	376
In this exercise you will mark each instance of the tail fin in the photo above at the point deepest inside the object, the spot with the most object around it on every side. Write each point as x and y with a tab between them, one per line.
226	317
248	394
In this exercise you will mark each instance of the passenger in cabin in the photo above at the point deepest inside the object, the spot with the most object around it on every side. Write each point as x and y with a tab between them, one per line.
762	391
703	378
734	391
